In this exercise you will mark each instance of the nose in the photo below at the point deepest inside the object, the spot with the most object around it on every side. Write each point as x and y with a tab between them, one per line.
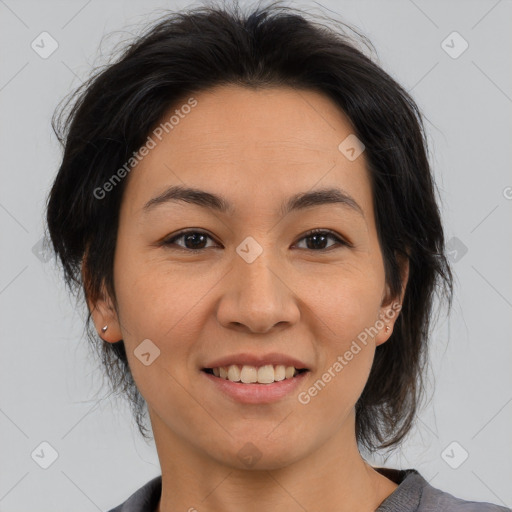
257	297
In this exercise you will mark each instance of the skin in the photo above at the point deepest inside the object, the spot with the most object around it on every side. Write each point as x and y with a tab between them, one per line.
256	148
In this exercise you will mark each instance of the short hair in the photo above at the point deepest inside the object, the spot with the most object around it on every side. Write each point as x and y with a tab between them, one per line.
183	53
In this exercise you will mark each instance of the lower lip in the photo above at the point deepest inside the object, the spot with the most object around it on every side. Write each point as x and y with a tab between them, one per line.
257	393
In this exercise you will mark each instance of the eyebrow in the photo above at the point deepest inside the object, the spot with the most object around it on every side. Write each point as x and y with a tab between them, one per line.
300	201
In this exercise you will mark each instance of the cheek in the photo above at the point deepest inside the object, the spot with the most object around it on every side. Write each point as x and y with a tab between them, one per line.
159	306
156	300
345	311
345	353
345	300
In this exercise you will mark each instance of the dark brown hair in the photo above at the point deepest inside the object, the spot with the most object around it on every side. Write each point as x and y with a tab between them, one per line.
110	116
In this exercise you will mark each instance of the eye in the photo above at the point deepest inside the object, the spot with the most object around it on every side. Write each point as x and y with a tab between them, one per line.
318	238
193	240
196	240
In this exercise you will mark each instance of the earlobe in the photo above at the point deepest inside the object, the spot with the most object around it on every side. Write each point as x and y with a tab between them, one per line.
103	312
390	310
386	322
105	319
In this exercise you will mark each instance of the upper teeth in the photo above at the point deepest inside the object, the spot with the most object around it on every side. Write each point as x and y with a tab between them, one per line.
250	374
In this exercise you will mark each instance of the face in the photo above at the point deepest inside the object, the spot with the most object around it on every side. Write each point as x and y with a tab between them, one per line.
248	283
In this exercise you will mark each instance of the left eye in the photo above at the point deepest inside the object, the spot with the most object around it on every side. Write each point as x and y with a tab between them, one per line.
195	240
318	237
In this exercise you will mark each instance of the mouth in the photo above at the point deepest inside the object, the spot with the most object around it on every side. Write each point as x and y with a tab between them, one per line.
247	384
249	374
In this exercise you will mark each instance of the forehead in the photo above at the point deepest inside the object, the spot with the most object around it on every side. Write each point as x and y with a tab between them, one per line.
251	144
240	120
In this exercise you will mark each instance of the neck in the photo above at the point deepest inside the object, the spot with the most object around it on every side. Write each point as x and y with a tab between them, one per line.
333	476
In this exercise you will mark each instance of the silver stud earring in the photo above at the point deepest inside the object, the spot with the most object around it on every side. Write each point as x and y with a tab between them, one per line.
104	329
387	328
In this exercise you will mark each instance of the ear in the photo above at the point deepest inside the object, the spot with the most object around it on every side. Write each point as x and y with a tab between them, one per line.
102	310
391	305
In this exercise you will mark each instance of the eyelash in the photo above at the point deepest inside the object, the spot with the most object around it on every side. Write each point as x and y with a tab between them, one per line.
341	241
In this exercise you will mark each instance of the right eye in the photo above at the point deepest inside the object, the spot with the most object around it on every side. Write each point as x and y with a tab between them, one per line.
192	240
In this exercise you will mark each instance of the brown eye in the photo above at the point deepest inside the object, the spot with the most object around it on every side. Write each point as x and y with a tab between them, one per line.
191	240
317	240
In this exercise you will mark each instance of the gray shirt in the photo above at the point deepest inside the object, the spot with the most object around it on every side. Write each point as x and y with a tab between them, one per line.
413	494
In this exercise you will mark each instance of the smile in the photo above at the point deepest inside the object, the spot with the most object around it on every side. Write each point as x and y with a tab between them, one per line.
248	374
254	391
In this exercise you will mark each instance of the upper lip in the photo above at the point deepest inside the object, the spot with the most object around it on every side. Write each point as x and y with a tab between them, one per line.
257	360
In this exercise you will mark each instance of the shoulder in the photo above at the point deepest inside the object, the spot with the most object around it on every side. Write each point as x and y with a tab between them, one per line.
144	499
435	499
415	494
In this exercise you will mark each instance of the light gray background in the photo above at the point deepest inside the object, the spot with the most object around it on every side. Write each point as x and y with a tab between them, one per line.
51	386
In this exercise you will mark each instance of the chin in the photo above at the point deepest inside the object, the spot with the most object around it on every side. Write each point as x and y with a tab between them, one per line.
257	452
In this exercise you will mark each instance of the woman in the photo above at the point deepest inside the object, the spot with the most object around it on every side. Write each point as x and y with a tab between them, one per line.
246	201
